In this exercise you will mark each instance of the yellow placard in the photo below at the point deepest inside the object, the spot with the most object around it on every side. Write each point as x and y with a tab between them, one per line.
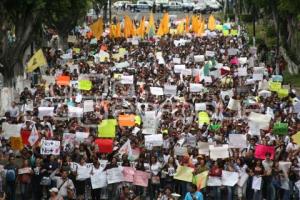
184	173
234	32
85	85
203	118
225	32
107	128
283	93
296	138
274	86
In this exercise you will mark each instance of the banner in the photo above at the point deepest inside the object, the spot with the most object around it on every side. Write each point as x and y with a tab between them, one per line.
195	87
75	111
68	141
200	180
107	128
218	152
170	90
184	173
45	111
128	174
127	79
126	120
114	175
104	145
237	141
50	147
229	178
63	80
153	140
280	128
11	130
157	91
141	178
99	180
85	85
261	150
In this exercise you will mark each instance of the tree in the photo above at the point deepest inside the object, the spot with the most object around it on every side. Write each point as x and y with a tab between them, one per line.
24	19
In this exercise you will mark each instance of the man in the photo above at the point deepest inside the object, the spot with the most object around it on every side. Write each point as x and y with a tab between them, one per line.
64	185
11	177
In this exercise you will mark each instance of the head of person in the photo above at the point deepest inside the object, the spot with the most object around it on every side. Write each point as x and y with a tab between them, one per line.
53	192
192	188
168	190
64	174
268	156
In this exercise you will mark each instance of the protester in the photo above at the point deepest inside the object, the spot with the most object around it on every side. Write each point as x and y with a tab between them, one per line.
185	114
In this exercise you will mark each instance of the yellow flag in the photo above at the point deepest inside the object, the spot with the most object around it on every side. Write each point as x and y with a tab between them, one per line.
211	23
180	28
128	27
37	60
164	25
97	28
141	29
112	31
151	23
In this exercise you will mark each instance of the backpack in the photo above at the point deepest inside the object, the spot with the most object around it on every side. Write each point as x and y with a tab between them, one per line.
10	175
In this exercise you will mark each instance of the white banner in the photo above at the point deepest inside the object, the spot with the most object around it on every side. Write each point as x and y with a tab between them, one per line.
157	91
114	175
50	147
88	106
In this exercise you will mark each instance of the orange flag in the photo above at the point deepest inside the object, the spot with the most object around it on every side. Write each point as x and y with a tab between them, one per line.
141	29
187	24
97	28
151	23
211	23
118	33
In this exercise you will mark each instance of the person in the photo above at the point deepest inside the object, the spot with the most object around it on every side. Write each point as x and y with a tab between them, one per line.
65	185
54	194
193	194
11	178
24	177
167	194
14	110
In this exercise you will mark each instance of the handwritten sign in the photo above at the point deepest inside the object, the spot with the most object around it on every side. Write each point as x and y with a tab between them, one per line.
50	147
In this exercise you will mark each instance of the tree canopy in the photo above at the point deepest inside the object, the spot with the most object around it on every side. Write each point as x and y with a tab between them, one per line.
24	19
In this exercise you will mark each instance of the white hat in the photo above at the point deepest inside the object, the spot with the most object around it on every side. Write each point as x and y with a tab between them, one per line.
54	189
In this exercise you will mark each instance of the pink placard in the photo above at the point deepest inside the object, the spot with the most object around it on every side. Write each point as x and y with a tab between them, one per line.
234	61
261	150
141	178
128	173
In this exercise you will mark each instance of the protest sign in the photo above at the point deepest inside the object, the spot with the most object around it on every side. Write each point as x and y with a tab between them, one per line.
285	167
242	71
242	60
232	51
16	143
99	180
127	79
156	91
11	130
85	85
170	89
176	60
200	106
280	128
180	151
75	111
25	135
128	174
229	178
296	138
234	104
216	152
68	141
104	145
282	93
262	121
72	39
199	58
149	122
261	150
63	80
203	148
184	173
88	106
237	141
257	77
214	181
141	178
258	70
178	68
200	180
195	87
114	175
256	182
126	120
243	178
81	136
25	170
186	72
122	65
228	93
274	86
45	111
203	118
50	147
277	78
107	128
264	93
209	53
153	140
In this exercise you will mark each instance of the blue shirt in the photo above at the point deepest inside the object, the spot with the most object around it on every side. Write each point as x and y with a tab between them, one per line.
190	196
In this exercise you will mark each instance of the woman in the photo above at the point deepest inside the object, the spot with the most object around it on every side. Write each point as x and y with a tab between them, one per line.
80	183
258	171
241	168
96	193
168	172
166	195
25	175
155	168
216	171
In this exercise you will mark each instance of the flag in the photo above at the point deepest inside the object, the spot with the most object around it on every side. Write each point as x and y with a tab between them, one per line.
34	136
128	27
200	180
187	24
126	149
97	28
118	33
141	29
180	28
37	60
164	25
211	23
151	24
112	31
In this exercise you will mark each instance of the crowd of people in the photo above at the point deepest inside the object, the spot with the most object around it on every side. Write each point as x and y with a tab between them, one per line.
180	116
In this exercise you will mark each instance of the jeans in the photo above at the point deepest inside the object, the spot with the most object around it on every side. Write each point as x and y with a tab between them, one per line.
11	190
230	192
24	190
96	193
216	192
257	195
